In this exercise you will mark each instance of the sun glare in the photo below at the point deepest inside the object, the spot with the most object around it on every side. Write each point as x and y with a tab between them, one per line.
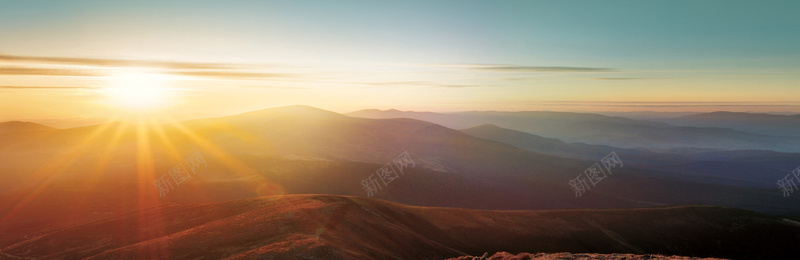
138	91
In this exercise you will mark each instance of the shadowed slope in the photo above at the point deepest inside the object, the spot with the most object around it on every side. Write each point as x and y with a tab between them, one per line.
335	227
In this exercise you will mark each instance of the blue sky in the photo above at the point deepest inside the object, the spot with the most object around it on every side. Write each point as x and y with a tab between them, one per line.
581	51
650	32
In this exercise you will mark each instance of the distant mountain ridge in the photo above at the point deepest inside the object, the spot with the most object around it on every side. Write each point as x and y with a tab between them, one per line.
747	168
578	150
20	126
758	123
741	115
537	143
604	130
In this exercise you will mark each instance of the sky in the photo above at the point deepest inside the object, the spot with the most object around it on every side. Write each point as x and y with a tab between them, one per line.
191	59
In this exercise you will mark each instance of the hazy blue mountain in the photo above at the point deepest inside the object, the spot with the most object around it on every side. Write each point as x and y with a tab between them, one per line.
557	147
765	124
603	130
747	168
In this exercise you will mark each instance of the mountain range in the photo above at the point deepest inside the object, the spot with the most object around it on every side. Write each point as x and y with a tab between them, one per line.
604	130
71	179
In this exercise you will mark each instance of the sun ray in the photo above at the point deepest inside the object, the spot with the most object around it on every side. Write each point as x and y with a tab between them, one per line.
236	166
102	163
100	168
49	172
172	150
146	196
165	141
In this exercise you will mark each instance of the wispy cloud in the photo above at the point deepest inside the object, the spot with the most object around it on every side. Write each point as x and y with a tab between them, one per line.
614	78
462	86
231	74
419	83
542	69
45	87
117	62
26	71
272	86
525	68
396	83
43	66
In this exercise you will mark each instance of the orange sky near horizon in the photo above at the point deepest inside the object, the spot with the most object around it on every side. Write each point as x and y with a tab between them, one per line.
73	87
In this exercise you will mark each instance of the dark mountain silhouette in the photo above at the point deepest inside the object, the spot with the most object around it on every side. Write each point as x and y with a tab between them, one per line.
337	227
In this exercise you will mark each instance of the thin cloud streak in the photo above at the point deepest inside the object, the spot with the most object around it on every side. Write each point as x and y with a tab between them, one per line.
273	87
117	62
543	69
615	78
419	83
45	87
207	70
524	68
232	74
26	71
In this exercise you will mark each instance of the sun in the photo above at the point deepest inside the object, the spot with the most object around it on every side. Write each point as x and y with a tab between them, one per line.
138	90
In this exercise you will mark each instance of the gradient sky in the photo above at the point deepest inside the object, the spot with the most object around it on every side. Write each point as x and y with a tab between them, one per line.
57	58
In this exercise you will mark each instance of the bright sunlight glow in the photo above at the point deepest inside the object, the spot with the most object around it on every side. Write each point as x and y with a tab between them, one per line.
138	91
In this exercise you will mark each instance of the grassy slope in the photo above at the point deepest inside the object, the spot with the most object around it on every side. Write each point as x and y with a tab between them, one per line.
341	227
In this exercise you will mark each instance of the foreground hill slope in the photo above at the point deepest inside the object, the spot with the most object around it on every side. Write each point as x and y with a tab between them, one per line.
578	256
343	227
